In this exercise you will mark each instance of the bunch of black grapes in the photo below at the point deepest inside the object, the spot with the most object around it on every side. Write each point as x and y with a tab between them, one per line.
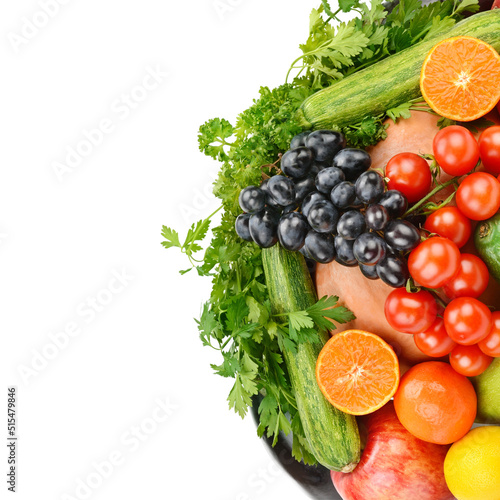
328	205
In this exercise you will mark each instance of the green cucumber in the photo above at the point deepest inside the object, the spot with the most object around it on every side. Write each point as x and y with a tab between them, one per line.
388	83
332	435
487	241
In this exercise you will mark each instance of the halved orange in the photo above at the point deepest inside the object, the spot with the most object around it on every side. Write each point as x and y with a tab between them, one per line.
460	78
357	371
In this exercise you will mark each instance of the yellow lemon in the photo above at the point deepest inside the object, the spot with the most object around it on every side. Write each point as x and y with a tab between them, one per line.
472	465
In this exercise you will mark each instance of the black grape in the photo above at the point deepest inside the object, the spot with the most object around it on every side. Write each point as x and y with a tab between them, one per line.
323	217
242	228
401	235
282	190
252	199
325	144
369	272
328	178
393	271
303	187
297	162
299	140
264	227
309	200
292	231
395	202
320	247
345	255
343	194
351	224
376	217
370	187
353	162
369	248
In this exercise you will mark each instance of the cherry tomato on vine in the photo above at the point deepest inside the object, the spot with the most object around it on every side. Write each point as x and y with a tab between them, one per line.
434	262
469	360
456	150
467	320
434	341
478	196
410	312
410	174
471	280
450	223
489	149
490	345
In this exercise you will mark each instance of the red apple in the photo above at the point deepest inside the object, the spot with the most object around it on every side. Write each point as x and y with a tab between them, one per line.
395	464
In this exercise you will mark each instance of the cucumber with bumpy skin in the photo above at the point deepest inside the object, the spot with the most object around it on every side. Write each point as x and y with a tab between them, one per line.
487	241
388	83
332	435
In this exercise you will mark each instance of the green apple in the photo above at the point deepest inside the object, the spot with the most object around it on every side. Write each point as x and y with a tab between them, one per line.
487	387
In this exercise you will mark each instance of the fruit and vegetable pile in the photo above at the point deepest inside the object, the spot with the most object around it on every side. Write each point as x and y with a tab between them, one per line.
371	180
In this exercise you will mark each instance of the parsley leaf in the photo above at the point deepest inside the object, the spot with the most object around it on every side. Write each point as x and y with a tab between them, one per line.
464	6
401	111
300	319
348	5
171	238
320	316
195	234
213	137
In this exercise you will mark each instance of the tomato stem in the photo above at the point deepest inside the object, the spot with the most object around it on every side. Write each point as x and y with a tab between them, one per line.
429	195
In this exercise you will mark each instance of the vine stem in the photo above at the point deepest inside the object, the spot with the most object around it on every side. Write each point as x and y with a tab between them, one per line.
430	195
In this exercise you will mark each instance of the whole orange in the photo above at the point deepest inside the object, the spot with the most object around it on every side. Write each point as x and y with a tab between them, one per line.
435	403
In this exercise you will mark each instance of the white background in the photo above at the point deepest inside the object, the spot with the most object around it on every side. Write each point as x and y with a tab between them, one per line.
63	236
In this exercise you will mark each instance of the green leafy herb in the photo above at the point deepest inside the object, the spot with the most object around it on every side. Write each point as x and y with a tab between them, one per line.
401	111
196	233
303	326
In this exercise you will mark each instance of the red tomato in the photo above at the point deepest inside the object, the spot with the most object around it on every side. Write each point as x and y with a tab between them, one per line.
410	312
450	223
434	262
490	345
489	149
471	280
410	174
434	341
456	150
478	196
467	320
469	360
